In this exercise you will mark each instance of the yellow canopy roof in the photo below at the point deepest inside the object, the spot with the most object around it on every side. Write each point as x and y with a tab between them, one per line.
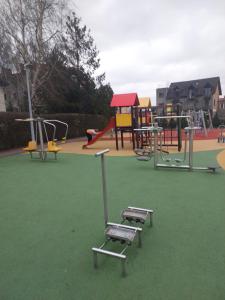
145	102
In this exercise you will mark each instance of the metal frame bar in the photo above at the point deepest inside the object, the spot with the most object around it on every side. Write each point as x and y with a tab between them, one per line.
104	186
64	123
120	256
54	129
172	117
27	67
125	226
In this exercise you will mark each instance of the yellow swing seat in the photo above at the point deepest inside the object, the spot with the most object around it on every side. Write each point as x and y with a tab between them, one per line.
52	147
32	146
63	140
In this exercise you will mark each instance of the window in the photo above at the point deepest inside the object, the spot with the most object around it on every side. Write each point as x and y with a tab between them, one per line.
191	92
176	93
161	94
207	91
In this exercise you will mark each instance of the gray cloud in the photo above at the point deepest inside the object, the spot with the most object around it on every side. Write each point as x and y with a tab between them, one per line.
148	44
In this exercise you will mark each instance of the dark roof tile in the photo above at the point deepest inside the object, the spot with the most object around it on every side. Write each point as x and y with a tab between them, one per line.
182	88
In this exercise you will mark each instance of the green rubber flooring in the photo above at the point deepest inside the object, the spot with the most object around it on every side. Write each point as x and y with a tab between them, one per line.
51	215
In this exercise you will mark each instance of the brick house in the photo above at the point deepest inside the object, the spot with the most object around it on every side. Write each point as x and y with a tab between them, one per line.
161	94
13	94
221	108
194	94
3	84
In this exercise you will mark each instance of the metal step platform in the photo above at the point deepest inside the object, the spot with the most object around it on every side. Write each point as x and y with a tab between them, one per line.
178	160
117	233
136	214
122	233
143	158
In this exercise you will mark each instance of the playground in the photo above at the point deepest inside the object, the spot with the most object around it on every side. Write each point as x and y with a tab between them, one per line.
52	220
108	142
52	215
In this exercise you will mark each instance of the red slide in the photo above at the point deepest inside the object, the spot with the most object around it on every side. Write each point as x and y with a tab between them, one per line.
109	126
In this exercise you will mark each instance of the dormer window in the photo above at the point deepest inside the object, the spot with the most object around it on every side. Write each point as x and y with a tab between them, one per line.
208	91
176	93
191	92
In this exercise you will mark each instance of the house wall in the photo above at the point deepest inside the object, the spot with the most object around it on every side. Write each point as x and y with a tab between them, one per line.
215	100
161	101
2	100
161	94
221	109
201	102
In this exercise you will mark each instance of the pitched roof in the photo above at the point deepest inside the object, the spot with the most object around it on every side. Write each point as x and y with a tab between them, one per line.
124	100
181	89
145	102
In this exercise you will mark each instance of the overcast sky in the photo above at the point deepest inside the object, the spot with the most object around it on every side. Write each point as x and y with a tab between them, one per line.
148	44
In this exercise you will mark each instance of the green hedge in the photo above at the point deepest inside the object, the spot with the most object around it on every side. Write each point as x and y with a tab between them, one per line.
17	134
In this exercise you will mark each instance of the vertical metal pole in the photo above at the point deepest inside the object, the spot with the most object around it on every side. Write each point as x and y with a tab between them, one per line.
191	136
203	121
121	132
104	191
123	265
155	147
179	133
139	239
41	138
116	133
29	102
95	259
151	217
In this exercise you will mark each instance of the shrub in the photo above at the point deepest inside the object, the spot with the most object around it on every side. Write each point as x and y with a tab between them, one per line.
17	134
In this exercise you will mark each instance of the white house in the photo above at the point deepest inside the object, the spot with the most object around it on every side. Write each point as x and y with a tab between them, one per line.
2	97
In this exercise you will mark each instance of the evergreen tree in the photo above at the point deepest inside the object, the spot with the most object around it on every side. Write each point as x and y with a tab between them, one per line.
79	45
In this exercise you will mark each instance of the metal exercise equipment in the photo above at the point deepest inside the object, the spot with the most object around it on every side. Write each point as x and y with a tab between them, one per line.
179	137
62	123
33	146
146	153
189	132
115	232
221	137
171	137
200	118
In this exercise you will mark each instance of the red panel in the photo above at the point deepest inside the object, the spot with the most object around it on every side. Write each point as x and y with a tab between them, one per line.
123	100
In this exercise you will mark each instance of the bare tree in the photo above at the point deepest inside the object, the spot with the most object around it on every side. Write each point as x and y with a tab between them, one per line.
32	29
